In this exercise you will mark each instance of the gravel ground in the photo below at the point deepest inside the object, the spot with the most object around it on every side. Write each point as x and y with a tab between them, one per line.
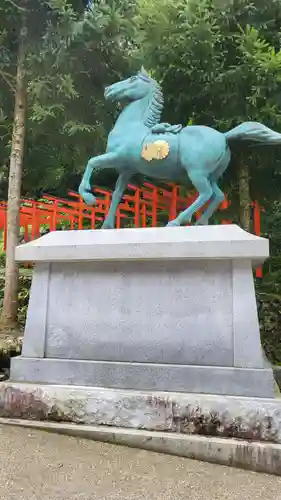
39	466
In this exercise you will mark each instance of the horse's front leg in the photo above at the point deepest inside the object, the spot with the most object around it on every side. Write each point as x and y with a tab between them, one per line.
121	184
97	162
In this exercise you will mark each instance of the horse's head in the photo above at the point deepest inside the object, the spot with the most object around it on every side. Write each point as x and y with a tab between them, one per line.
131	89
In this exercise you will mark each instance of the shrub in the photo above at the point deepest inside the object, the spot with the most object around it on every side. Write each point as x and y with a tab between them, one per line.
24	286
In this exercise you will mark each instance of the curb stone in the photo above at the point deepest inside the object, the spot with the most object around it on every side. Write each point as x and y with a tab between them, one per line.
254	456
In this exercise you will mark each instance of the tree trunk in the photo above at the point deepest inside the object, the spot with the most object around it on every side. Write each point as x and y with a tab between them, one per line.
244	196
10	304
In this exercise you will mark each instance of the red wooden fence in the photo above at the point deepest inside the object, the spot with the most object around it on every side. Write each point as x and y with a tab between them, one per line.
141	207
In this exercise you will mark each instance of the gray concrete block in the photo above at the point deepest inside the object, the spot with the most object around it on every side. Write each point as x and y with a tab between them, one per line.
36	320
153	312
144	376
246	333
200	242
254	419
157	309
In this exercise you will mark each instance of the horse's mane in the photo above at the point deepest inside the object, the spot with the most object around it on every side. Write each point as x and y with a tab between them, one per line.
156	105
155	108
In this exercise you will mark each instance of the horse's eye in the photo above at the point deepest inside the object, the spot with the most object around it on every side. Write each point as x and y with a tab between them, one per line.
133	79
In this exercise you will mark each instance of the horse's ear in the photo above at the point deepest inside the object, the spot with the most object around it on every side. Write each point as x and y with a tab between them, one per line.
144	72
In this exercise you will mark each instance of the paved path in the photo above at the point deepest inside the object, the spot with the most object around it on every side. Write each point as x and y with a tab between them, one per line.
39	466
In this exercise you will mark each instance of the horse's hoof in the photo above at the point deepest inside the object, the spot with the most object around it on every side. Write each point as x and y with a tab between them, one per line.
107	226
173	223
202	223
88	197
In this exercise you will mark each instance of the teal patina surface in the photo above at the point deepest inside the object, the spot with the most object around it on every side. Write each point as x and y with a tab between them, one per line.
140	144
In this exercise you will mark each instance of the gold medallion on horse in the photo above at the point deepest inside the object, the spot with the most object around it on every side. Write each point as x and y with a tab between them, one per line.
157	150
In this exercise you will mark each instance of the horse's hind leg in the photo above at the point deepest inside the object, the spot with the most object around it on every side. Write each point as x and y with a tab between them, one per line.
204	188
216	199
121	184
218	195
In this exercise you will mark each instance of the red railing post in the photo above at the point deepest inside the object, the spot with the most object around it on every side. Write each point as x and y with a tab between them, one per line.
257	230
137	207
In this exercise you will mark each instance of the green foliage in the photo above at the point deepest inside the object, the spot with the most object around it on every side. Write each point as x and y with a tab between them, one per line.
269	309
23	295
223	58
71	55
269	288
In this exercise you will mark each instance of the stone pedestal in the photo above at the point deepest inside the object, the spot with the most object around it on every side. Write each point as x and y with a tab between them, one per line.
158	309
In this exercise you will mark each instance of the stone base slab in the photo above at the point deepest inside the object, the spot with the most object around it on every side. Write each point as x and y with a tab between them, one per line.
255	456
145	376
253	419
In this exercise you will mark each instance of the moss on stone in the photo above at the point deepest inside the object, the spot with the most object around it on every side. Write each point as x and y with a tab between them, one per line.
11	343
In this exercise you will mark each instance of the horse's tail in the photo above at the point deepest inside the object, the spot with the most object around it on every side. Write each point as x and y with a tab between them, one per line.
253	131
